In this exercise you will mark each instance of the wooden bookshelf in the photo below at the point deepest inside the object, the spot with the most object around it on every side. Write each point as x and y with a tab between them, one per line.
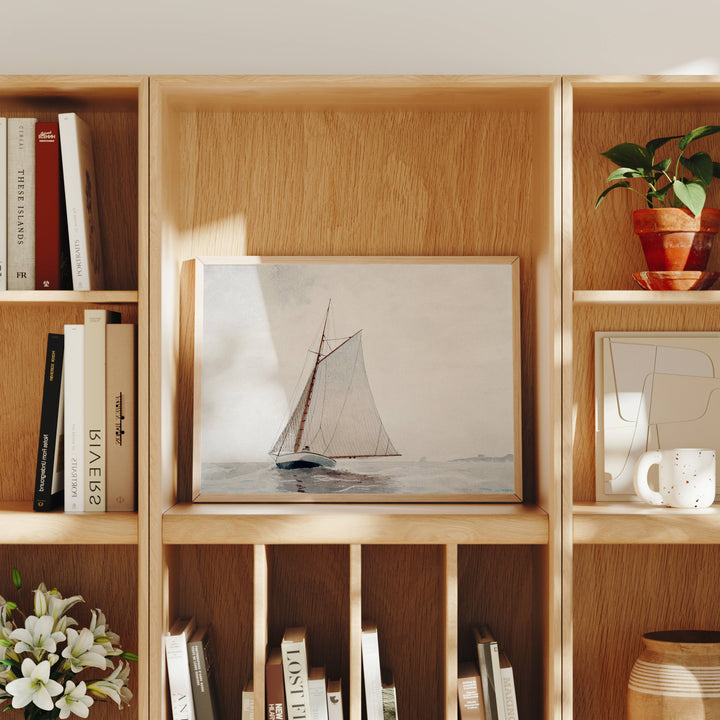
102	557
626	566
351	166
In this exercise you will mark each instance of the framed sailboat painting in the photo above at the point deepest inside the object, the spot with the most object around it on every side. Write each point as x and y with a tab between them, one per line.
355	379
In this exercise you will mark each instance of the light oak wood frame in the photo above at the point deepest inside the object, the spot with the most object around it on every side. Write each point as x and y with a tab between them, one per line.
102	557
193	316
627	568
353	166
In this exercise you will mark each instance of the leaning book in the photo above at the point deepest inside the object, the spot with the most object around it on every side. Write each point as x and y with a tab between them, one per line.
296	673
489	662
201	675
178	668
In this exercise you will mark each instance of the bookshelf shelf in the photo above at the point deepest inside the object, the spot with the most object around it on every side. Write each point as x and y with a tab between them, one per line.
22	526
646	297
355	524
69	297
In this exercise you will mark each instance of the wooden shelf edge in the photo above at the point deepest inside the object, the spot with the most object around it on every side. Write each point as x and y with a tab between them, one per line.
278	524
646	297
639	524
27	297
21	526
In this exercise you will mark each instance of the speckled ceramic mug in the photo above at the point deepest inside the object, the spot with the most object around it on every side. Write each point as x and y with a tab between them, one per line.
686	477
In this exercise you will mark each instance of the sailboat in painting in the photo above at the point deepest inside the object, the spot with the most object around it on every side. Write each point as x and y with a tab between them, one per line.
336	415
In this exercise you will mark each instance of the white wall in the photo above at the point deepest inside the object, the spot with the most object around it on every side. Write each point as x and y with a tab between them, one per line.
359	36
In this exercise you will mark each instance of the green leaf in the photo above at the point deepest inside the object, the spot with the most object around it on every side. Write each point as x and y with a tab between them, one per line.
629	155
697	133
700	165
663	165
691	194
17	581
624	184
716	170
653	145
10	605
624	173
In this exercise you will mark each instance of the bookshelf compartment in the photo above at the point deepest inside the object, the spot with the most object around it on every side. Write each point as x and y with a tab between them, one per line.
623	591
105	576
112	108
404	593
605	114
500	586
214	583
21	385
588	319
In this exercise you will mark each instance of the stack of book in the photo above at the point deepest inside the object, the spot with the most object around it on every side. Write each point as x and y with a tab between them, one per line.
190	676
295	690
486	690
86	457
49	221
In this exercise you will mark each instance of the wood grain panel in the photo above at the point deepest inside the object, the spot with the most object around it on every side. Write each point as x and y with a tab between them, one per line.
503	587
404	594
606	233
621	592
21	383
310	585
215	584
588	319
106	577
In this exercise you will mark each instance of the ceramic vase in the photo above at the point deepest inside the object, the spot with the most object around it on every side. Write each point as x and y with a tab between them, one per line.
676	677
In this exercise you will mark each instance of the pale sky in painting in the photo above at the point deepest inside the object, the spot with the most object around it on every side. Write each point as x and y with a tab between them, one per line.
437	340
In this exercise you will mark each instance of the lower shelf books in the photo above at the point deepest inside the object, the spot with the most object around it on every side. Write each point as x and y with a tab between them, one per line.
334	700
296	673
178	668
380	701
389	700
274	686
508	685
248	702
470	694
201	675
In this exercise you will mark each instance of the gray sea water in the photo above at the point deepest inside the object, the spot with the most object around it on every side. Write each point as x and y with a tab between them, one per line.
362	477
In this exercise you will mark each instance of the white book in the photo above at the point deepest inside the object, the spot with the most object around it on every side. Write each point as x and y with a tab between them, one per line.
296	673
3	203
334	700
508	686
83	219
371	671
489	662
178	668
74	388
317	690
248	703
21	203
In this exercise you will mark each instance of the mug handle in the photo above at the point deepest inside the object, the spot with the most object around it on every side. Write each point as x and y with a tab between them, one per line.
640	481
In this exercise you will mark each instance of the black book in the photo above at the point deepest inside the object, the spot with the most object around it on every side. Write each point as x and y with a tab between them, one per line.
49	471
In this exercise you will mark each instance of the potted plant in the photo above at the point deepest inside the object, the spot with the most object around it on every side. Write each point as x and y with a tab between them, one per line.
676	230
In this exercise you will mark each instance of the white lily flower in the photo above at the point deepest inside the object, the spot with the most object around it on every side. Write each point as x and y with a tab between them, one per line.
37	636
51	602
35	686
103	635
113	686
75	700
82	652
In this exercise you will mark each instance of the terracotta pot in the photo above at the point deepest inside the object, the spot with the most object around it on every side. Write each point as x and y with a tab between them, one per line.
674	239
677	676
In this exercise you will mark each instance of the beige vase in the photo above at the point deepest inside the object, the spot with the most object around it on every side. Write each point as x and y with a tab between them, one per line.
676	677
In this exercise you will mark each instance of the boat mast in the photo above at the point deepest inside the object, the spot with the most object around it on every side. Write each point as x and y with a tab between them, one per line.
312	382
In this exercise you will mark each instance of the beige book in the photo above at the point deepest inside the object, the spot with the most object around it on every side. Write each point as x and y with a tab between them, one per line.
296	673
469	688
96	321
334	700
178	668
121	416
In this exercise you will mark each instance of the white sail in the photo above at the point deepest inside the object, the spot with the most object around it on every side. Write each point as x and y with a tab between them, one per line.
336	415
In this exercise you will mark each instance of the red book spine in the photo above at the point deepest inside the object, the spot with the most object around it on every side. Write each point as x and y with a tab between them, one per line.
48	228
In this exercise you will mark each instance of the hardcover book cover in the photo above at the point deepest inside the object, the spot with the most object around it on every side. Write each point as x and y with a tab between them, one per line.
470	699
248	702
51	251
74	382
372	676
21	203
178	668
120	408
274	686
334	700
201	676
49	470
296	673
489	661
81	203
508	684
317	691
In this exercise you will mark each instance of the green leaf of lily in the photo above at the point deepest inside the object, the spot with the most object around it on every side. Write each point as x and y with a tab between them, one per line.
17	581
691	194
703	131
630	155
129	656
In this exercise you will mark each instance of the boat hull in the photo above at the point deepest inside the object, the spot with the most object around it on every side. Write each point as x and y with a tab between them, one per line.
303	459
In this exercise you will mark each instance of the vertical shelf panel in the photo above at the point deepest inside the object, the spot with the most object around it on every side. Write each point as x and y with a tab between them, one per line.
215	584
504	587
451	632
623	591
403	592
353	701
